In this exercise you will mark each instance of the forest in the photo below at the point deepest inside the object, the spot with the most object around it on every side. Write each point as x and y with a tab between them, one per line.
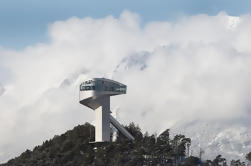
73	148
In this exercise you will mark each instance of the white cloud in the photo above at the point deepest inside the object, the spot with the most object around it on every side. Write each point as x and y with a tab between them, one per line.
1	90
195	68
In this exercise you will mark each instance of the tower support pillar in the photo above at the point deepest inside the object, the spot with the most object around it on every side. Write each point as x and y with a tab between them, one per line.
102	115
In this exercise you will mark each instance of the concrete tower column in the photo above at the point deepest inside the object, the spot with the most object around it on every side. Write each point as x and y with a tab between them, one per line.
102	115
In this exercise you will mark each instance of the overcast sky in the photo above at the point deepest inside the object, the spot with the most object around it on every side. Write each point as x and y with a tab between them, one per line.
181	61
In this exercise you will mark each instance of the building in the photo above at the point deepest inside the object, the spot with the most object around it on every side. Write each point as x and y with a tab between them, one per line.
95	94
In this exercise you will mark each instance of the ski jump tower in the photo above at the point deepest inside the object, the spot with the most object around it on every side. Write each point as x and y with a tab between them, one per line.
95	94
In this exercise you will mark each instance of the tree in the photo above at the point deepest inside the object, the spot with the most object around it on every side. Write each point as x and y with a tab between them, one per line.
219	160
135	131
248	157
164	137
192	161
179	145
162	148
237	163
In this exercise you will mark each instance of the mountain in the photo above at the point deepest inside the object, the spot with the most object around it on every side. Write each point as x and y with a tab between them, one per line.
231	139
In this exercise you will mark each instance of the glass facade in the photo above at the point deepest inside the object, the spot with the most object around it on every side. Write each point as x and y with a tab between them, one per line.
102	85
87	85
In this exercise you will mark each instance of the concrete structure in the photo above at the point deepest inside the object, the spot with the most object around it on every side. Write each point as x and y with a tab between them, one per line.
95	94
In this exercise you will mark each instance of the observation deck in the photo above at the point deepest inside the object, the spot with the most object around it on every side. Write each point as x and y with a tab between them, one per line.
95	94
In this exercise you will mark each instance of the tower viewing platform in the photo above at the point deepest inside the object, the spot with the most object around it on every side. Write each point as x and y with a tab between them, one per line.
95	94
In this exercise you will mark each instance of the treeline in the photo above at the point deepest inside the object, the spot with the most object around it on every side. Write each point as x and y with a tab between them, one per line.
74	149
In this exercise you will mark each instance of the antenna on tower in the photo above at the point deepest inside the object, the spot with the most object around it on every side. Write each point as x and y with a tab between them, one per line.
95	94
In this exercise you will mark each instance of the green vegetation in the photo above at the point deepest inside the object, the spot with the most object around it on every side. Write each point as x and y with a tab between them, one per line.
74	149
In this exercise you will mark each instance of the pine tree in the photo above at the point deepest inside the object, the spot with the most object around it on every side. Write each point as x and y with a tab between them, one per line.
248	157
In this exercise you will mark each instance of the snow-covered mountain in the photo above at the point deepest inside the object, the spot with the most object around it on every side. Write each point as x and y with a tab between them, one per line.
230	139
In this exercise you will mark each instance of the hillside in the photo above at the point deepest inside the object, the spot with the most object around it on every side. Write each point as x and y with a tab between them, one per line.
73	149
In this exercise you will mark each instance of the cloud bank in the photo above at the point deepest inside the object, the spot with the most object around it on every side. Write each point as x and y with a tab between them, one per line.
195	68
